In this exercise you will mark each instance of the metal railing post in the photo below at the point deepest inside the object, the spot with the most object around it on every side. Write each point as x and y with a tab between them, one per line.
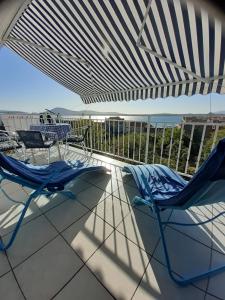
200	148
90	136
153	140
147	139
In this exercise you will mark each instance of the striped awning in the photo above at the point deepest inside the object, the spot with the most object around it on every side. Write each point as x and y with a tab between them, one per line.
114	50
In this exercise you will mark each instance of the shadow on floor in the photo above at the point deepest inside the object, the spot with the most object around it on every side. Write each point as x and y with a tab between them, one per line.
189	248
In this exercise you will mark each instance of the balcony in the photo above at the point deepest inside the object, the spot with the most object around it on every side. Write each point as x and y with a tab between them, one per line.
181	142
100	246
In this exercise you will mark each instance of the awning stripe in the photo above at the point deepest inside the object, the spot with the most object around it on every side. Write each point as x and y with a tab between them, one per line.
49	67
42	40
181	50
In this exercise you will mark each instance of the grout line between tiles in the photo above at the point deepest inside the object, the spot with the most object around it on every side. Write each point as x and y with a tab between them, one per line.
151	256
58	233
84	263
210	260
42	211
14	275
91	210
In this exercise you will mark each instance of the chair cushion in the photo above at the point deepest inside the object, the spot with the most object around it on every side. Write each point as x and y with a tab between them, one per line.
48	144
60	172
75	139
156	181
168	189
8	146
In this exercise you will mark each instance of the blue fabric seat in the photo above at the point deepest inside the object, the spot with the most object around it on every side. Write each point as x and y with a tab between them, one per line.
46	180
64	171
162	188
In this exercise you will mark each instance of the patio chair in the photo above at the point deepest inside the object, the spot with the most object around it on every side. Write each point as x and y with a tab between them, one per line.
43	180
162	188
34	140
78	139
8	141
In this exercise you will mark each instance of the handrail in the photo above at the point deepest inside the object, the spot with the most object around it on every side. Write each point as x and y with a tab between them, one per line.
181	144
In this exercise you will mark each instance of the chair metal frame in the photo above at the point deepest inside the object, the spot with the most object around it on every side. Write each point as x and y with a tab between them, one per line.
52	135
81	143
54	181
206	187
37	191
157	210
11	138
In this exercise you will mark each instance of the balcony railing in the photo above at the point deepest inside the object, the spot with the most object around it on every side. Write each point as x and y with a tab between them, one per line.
182	145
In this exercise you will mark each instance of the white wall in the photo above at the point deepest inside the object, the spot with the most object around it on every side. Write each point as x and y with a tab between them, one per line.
13	122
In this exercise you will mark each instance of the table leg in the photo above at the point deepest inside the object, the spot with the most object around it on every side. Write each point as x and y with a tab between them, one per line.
57	144
33	157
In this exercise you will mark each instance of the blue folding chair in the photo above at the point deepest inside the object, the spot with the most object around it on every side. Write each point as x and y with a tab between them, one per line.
44	180
162	188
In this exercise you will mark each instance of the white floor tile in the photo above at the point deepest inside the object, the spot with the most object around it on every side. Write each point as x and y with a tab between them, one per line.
104	181
200	233
116	261
66	213
219	237
4	265
47	203
188	257
210	297
84	286
9	289
126	193
112	210
119	264
216	283
10	216
92	196
156	284
31	237
13	189
140	229
77	185
45	272
205	211
87	234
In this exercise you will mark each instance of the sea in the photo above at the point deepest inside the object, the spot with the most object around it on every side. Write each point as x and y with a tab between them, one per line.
159	119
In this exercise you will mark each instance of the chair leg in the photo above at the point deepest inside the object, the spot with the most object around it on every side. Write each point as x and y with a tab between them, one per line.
25	153
58	148
48	155
83	147
16	229
66	150
18	153
185	281
68	194
33	157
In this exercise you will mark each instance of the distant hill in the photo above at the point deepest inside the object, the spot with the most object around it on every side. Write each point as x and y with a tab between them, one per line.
221	112
68	112
11	112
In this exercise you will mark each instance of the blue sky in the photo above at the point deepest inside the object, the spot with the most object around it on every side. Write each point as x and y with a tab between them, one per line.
25	88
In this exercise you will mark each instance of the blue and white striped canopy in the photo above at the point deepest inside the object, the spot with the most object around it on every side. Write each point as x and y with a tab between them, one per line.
110	50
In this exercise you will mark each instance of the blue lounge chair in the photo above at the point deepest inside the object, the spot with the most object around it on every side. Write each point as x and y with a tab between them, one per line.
44	180
161	188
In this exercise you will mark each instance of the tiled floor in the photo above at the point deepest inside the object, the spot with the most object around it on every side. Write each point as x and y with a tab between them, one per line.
101	247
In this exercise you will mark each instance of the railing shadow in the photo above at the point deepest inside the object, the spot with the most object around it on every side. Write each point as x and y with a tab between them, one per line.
88	234
86	230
